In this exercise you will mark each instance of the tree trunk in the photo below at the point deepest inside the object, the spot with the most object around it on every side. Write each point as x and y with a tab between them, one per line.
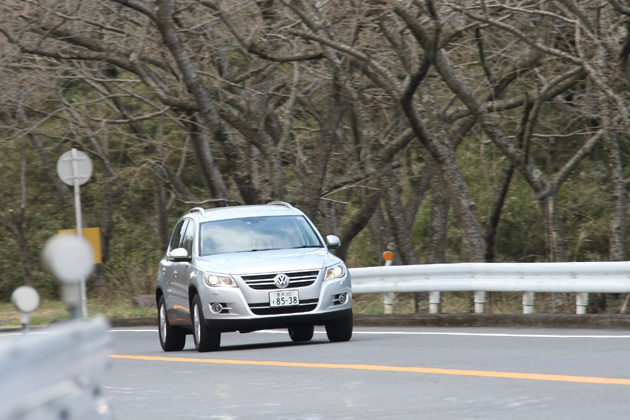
207	164
438	224
369	203
318	162
107	227
208	116
554	240
618	200
552	220
150	148
15	225
494	214
618	194
420	184
396	214
458	193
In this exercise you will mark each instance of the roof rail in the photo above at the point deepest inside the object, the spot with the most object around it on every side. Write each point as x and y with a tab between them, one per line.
281	203
199	209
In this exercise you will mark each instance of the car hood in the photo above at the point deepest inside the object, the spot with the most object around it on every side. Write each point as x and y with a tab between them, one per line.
285	260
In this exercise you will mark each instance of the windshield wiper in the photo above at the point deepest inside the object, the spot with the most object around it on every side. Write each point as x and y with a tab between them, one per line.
257	250
307	246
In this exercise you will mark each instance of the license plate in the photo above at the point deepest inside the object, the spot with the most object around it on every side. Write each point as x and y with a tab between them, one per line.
284	298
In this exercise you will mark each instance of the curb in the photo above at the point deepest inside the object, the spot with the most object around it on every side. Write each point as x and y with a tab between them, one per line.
569	321
133	322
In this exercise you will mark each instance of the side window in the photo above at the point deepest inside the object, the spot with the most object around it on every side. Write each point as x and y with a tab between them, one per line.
177	234
187	238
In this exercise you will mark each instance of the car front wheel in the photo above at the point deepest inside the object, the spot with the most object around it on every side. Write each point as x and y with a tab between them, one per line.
340	330
171	338
301	333
206	339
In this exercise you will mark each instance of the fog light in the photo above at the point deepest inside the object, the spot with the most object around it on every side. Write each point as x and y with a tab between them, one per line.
343	298
216	308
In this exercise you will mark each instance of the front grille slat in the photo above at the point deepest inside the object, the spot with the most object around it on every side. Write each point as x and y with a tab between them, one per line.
296	280
260	283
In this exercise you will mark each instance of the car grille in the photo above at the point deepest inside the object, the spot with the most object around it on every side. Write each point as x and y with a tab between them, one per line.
306	305
296	280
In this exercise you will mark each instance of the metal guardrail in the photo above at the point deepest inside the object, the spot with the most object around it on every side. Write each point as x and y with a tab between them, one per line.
52	374
577	277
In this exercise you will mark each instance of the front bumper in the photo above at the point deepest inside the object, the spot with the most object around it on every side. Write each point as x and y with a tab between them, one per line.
247	310
245	325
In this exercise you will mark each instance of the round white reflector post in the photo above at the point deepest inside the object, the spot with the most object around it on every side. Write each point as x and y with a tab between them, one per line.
70	258
26	300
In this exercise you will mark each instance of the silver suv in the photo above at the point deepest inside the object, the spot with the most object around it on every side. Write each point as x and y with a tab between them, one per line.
250	268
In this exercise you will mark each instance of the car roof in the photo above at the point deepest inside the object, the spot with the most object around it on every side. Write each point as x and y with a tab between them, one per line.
235	212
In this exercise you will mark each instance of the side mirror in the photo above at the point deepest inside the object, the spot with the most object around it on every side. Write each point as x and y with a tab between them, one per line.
333	242
178	254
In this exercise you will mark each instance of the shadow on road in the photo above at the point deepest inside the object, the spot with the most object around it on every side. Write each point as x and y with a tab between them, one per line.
259	346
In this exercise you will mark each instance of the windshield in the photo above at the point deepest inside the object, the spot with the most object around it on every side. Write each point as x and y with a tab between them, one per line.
256	234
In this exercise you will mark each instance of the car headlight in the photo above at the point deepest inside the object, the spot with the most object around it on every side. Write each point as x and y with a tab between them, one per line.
218	280
336	271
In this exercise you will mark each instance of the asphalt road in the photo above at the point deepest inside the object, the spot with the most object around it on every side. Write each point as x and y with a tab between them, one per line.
384	373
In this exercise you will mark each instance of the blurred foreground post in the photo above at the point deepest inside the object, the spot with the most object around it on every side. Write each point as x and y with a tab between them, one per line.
54	374
26	300
70	259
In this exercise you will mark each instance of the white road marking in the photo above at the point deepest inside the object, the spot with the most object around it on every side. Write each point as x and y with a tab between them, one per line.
431	333
460	334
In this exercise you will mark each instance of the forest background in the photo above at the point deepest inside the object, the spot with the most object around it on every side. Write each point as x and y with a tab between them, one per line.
448	131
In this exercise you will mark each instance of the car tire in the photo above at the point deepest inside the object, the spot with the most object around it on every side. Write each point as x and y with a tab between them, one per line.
298	334
171	338
206	339
340	330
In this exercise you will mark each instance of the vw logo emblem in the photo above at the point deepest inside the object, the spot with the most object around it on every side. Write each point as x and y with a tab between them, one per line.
281	281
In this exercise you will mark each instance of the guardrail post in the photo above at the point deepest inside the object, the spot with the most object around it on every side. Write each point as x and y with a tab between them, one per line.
480	301
388	300
528	302
434	302
581	302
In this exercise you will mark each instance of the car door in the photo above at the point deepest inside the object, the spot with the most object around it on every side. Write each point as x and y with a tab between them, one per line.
168	269
181	270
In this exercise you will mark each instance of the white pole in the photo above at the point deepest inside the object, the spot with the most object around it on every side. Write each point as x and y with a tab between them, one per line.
388	299
77	206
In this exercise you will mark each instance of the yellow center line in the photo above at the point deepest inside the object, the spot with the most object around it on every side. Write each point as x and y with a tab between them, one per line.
509	375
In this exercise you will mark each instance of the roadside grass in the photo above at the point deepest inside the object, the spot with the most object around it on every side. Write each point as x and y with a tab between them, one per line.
53	310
